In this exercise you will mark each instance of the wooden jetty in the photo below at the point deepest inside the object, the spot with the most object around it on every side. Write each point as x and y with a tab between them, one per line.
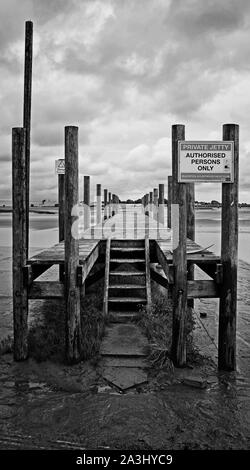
122	234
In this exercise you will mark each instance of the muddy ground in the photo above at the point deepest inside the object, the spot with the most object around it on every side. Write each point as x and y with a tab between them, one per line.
48	405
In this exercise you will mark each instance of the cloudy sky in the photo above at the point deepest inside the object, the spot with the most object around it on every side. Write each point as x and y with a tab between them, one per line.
124	71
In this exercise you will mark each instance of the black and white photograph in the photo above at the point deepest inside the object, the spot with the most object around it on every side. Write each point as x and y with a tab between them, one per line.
124	232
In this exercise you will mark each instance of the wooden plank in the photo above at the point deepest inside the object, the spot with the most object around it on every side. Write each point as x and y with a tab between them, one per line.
202	289
27	113
19	245
147	272
32	272
46	290
155	276
106	278
72	290
164	264
89	262
179	256
229	260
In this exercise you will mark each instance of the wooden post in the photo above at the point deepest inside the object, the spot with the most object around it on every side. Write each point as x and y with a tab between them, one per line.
161	203
86	201
151	201
113	205
190	192
27	114
105	204
98	203
19	248
72	290
179	256
229	260
61	209
155	197
169	200
110	210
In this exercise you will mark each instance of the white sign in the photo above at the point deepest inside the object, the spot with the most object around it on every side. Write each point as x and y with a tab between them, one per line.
60	166
205	161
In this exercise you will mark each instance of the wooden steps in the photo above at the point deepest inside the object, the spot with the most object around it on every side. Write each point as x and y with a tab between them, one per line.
126	288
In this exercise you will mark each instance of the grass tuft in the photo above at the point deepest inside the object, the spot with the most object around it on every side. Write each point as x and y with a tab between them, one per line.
47	333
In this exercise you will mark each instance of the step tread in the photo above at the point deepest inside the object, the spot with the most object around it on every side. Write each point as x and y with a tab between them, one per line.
126	273
127	249
127	299
127	286
127	260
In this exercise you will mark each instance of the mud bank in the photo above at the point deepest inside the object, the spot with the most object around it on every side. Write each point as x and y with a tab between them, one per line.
52	406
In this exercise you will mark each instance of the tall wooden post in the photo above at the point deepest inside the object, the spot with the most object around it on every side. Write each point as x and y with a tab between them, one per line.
105	204
190	191
72	290
19	247
86	201
169	200
27	114
61	211
229	260
179	256
98	203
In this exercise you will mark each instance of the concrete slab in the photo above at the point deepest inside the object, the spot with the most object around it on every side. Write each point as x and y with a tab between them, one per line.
124	340
125	377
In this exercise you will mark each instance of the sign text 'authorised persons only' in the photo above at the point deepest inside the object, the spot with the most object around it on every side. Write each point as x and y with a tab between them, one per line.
205	161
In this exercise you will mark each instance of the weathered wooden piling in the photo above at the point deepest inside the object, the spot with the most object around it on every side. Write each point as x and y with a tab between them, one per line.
27	113
190	192
98	203
110	204
229	260
19	244
151	201
179	256
105	193
86	201
72	288
61	213
161	204
155	199
169	200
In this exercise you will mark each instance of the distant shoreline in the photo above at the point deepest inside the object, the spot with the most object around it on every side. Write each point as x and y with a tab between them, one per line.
39	210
